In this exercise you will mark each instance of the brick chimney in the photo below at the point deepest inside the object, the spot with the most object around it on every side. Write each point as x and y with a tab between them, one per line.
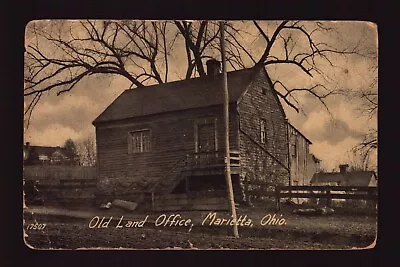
213	67
343	168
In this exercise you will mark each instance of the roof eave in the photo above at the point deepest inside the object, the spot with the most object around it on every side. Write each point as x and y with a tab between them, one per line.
97	122
297	130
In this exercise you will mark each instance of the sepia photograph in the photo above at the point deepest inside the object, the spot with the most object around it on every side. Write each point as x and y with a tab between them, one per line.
200	135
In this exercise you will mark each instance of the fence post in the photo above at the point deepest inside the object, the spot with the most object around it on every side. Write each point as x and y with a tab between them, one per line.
329	197
277	197
368	199
371	200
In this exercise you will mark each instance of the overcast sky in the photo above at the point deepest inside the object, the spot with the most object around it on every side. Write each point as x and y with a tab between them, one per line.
57	118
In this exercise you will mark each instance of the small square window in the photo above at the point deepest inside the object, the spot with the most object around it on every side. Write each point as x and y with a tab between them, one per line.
139	141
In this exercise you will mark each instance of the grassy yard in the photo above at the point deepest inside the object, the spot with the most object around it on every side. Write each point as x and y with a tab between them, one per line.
295	232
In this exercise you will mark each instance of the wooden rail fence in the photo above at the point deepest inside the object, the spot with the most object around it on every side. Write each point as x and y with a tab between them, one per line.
326	192
55	173
60	184
67	191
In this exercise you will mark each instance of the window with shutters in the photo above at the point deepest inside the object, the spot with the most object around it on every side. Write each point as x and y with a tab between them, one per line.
139	141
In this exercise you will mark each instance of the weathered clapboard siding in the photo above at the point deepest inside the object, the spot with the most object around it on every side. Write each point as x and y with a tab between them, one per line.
268	161
172	138
299	158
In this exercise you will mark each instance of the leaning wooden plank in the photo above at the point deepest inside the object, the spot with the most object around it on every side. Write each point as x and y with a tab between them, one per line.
125	205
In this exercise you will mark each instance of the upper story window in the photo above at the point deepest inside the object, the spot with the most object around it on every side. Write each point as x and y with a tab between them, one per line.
139	141
263	132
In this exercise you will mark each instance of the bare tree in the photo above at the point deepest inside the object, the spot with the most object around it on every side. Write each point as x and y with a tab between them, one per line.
86	149
69	145
131	49
142	52
369	109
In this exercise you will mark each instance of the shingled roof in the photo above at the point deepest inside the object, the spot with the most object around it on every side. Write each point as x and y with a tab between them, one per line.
179	95
351	178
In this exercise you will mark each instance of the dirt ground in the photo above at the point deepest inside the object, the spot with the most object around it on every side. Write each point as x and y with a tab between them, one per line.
66	231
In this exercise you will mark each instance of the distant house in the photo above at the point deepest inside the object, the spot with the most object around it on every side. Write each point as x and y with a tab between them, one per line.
45	155
345	178
169	138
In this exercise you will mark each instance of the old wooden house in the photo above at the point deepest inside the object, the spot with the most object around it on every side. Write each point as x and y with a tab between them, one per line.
168	138
345	178
303	164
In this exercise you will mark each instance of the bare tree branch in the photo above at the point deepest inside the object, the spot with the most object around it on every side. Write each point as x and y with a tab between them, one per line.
271	42
140	51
